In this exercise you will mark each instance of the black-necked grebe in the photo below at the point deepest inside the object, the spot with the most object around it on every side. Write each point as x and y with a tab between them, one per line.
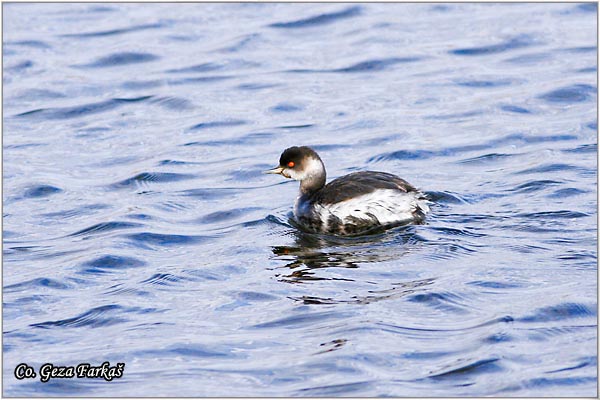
352	204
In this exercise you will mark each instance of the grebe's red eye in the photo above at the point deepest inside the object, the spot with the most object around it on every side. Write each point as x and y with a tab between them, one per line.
291	164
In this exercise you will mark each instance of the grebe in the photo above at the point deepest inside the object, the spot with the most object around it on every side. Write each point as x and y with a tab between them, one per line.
351	204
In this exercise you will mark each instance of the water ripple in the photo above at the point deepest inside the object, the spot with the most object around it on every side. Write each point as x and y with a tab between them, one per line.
515	109
485	83
80	111
199	80
566	192
41	191
120	59
480	366
303	126
458	116
113	32
570	94
321	19
456	232
256	86
305	319
194	350
37	283
587	7
210	193
511	44
37	94
487	158
162	279
447	302
535	185
38	44
286	107
530	58
244	42
144	239
553	167
142	84
94	318
374	65
495	284
353	388
400	329
87	209
151	177
217	124
220	216
560	312
516	138
173	103
586	361
19	67
214	66
585	148
567	214
105	227
553	382
404	155
111	263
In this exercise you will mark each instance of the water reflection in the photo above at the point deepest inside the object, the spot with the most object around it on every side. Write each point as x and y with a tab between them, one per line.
312	258
399	289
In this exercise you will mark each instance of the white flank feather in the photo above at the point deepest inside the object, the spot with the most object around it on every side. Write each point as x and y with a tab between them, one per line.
389	206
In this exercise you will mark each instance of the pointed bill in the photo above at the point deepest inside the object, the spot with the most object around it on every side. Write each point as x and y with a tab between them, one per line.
276	170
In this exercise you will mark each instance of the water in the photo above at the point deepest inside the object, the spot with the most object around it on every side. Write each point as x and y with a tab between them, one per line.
138	227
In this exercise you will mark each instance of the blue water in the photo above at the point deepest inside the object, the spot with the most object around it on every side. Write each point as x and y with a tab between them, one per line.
138	227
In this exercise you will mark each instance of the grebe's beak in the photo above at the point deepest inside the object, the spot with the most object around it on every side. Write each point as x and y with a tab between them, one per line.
276	170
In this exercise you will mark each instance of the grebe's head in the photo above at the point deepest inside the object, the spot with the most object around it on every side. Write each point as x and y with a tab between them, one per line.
302	164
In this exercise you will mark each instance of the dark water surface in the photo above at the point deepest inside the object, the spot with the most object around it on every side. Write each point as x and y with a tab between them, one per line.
138	227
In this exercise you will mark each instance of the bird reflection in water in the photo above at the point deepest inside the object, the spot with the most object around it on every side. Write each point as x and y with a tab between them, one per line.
312	258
